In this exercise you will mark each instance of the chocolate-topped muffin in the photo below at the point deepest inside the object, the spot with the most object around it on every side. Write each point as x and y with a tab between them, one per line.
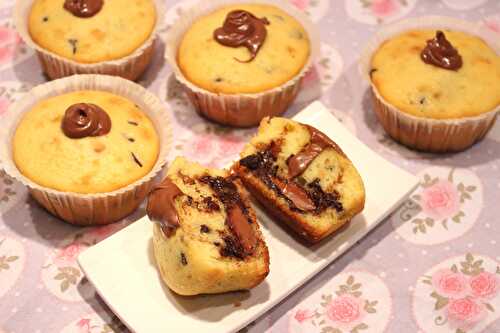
241	62
90	31
302	177
217	55
435	89
112	37
206	238
85	142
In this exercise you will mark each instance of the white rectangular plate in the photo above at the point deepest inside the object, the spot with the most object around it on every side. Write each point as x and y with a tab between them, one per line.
122	267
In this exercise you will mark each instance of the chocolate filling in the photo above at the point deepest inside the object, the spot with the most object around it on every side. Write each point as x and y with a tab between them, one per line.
300	197
298	163
242	241
161	206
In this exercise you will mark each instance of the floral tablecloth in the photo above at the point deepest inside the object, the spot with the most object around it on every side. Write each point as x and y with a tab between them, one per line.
432	266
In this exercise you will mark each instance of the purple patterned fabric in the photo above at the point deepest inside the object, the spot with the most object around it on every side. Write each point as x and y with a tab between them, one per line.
433	266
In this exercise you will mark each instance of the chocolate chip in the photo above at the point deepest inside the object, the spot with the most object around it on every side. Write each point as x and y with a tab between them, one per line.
422	101
128	138
204	229
136	160
189	201
232	248
210	204
373	70
73	43
251	162
183	259
218	79
133	123
216	243
323	200
279	17
45	18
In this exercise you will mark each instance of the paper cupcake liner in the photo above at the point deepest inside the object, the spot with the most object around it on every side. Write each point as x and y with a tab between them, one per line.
426	134
55	66
239	110
88	209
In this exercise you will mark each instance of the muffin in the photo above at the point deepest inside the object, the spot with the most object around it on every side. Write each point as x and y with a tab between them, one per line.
80	36
241	62
85	142
206	239
87	147
302	177
435	90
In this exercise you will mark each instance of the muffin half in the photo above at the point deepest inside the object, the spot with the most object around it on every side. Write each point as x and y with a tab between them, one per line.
206	238
301	177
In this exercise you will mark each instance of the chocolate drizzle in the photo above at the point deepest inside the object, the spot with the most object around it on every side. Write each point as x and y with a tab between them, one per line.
161	206
242	28
83	8
439	52
84	119
243	240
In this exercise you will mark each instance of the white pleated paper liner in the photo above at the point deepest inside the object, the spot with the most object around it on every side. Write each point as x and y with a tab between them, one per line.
240	110
88	209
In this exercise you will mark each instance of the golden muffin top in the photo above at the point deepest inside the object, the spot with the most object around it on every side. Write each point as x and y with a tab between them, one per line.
246	48
85	142
90	31
440	76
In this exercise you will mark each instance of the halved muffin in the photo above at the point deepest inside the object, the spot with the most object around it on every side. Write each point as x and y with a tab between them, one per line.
301	177
206	239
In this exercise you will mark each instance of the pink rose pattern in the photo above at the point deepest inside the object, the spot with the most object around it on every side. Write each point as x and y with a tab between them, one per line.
343	311
346	311
464	313
84	325
441	201
303	315
10	44
300	4
69	254
450	284
95	323
383	8
493	23
462	294
214	148
485	285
